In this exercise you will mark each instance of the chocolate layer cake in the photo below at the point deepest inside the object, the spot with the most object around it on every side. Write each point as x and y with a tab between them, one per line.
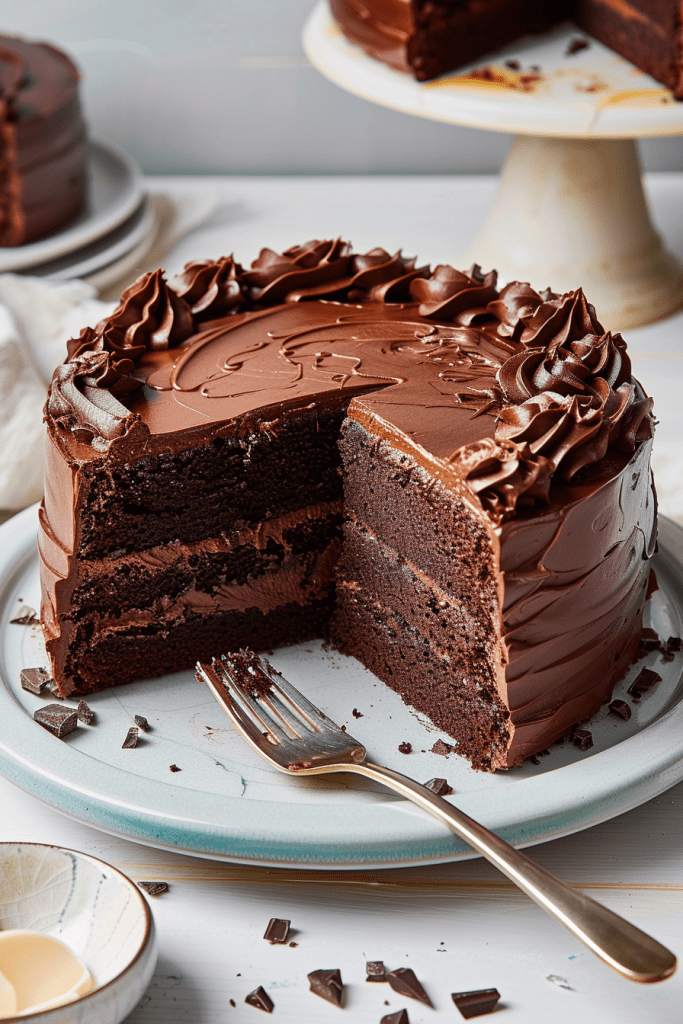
489	451
42	141
430	37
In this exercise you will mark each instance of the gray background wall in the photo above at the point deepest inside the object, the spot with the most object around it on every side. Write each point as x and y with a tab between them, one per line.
223	86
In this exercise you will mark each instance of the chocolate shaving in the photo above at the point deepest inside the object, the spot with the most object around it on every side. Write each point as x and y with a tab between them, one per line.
439	786
404	982
474	1004
621	709
277	931
142	722
375	970
154	888
644	682
131	739
58	719
328	985
26	617
85	713
174	768
34	679
405	747
260	999
582	738
440	747
400	1017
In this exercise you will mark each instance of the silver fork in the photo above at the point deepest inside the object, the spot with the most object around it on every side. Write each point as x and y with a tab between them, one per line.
296	737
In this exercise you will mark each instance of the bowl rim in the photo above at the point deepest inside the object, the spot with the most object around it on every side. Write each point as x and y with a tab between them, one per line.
149	928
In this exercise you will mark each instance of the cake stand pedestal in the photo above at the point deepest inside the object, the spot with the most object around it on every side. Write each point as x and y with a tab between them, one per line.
570	209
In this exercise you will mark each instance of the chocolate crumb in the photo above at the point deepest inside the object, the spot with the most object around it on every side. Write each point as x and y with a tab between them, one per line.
356	713
154	888
173	768
439	786
536	68
644	682
142	722
514	65
474	1004
34	679
443	748
328	985
293	945
582	738
85	713
232	1002
375	970
131	739
26	617
58	719
342	728
277	931
260	999
405	747
620	708
400	1017
576	46
405	983
534	759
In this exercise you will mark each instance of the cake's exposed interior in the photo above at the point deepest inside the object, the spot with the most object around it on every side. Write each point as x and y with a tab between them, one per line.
487	452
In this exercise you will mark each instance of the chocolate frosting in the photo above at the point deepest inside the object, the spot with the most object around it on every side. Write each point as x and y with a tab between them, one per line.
450	294
211	288
150	316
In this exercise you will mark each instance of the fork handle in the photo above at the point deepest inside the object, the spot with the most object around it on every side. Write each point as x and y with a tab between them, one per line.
620	944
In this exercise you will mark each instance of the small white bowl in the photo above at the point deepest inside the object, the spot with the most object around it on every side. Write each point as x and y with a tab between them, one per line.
93	909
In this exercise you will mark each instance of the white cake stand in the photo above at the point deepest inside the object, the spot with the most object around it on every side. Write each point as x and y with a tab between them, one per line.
570	209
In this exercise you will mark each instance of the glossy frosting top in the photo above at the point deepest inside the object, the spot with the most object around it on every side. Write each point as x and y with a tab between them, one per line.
511	390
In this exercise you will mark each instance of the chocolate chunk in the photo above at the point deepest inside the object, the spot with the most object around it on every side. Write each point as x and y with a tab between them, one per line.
440	747
514	65
400	1017
649	639
582	738
405	747
174	768
34	679
439	786
645	681
142	722
85	713
576	45
58	719
26	617
474	1004
260	999
277	930
328	985
356	713
404	981
674	643
375	970
131	739
154	888
620	708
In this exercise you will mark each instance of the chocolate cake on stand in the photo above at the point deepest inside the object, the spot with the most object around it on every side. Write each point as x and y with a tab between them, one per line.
570	207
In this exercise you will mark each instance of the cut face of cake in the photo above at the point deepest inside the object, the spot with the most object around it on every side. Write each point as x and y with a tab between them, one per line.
450	481
42	141
430	37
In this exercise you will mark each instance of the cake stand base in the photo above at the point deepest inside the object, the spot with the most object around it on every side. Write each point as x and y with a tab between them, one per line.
572	212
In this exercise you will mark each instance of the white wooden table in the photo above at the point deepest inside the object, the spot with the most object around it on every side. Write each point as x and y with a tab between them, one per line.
459	926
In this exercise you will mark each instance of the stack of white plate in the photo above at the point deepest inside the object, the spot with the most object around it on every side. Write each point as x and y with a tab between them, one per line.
115	229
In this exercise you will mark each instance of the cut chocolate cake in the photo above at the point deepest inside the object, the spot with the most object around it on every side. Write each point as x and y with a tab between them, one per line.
489	452
42	141
430	37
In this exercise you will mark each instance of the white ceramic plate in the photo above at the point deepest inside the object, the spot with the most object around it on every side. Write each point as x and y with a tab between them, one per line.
99	254
594	93
114	193
227	804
